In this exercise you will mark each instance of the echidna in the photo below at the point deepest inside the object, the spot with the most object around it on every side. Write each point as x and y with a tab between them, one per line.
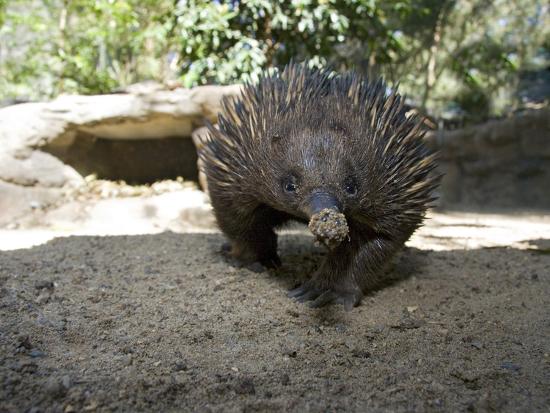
336	151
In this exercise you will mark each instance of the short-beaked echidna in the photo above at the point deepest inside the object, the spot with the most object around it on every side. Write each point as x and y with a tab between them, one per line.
336	151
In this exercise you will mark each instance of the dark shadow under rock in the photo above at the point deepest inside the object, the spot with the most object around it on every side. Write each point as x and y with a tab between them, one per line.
135	161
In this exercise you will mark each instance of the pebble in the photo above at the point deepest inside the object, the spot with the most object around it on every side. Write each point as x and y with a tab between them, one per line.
43	298
245	386
55	387
36	353
285	379
180	366
340	328
126	360
69	409
290	353
293	313
408	323
510	366
66	381
24	341
360	353
44	284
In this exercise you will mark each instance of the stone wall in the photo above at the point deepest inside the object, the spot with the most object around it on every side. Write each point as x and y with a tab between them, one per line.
496	165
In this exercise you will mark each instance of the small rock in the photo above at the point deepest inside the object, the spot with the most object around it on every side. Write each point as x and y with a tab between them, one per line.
92	406
245	386
510	366
66	382
126	360
25	366
34	353
360	353
290	353
465	376
285	379
44	284
43	298
477	344
180	366
377	329
408	323
473	342
55	388
24	341
340	328
293	313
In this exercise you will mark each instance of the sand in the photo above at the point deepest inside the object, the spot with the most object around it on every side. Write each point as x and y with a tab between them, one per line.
162	322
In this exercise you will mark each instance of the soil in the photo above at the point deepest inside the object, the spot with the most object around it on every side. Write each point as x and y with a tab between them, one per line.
162	322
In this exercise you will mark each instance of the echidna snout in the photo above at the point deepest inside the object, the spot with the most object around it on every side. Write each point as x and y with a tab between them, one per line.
327	223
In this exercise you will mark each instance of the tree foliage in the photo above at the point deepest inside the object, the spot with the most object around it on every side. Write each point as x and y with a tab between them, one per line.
463	55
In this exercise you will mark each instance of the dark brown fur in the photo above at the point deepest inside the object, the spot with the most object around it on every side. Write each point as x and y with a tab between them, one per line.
306	133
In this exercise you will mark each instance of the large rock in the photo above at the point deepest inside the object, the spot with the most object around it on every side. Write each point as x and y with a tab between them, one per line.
139	135
498	164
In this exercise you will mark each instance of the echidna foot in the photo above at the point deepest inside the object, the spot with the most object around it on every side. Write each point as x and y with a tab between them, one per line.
320	297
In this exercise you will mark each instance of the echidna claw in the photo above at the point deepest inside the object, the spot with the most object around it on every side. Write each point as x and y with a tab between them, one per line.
321	297
308	295
296	292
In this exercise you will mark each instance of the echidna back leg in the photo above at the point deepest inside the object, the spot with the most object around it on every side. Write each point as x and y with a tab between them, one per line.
250	229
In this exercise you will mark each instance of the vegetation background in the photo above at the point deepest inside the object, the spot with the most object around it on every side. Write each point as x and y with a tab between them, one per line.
458	59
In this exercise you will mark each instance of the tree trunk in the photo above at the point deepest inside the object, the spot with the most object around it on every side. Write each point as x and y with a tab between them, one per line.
431	76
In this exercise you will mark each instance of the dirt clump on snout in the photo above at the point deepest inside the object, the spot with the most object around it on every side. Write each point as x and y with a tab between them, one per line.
329	227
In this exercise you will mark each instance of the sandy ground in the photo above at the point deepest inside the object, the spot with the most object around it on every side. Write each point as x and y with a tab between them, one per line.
160	321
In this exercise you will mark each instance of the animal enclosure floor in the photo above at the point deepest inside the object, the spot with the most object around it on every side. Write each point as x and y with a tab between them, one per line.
161	322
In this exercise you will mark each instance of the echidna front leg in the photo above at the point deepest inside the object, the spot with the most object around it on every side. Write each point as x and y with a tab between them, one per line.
251	233
347	272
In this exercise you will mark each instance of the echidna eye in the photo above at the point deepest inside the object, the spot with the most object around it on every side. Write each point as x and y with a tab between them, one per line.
290	187
351	188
